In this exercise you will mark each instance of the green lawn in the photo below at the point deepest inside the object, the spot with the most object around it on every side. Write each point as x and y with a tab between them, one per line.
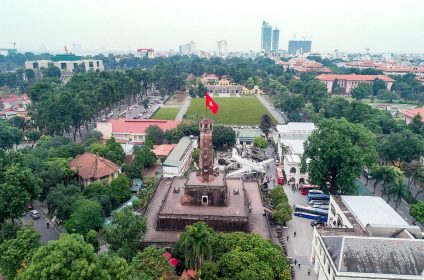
166	114
232	110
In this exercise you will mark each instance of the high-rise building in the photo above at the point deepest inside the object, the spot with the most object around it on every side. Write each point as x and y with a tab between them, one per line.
222	48
266	35
299	47
275	39
187	49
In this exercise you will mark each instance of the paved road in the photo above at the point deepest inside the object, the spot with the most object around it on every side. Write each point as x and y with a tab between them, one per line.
183	109
270	107
299	247
40	225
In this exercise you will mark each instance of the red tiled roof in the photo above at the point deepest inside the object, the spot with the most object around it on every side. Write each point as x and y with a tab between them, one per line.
92	166
353	77
164	149
413	112
140	126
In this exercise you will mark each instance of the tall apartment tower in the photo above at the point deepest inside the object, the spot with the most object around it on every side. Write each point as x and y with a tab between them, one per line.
222	48
206	151
266	35
187	49
275	39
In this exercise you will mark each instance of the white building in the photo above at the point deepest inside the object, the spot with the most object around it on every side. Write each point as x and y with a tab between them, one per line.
222	48
290	139
179	159
187	49
68	64
366	239
145	53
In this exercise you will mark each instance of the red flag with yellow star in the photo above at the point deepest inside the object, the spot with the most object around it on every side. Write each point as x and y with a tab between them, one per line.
211	104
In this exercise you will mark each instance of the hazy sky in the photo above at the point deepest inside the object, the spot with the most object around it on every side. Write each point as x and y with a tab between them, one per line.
346	25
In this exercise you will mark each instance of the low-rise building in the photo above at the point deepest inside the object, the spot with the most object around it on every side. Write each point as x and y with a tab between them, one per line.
349	82
410	114
131	130
91	168
68	64
145	53
245	136
366	239
216	85
302	65
179	159
163	151
290	139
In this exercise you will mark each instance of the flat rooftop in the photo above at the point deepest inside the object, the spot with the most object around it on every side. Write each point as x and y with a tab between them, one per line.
193	180
391	256
236	203
372	210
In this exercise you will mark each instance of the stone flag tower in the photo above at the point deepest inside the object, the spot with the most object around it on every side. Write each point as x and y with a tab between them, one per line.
206	151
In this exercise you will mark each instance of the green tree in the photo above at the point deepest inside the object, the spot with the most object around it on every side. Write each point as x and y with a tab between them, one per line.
9	135
87	214
155	134
417	211
125	232
240	265
277	196
67	258
33	136
120	190
265	124
223	136
61	198
196	155
250	83
397	191
145	158
260	142
283	213
201	90
150	264
361	91
387	175
386	95
91	238
338	150
18	122
13	202
51	72
416	124
403	146
195	244
14	252
377	86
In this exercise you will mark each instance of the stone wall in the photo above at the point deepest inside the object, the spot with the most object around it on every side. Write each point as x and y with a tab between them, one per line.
219	223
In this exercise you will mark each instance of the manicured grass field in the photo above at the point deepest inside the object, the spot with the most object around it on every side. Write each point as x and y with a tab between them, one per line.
232	110
166	114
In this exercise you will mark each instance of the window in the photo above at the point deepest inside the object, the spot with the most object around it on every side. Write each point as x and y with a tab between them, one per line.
98	63
90	64
63	66
292	170
35	65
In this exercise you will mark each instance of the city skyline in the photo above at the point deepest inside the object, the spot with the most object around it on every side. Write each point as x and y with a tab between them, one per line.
390	27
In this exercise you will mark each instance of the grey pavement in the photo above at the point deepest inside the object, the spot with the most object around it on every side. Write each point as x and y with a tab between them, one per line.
183	108
270	107
299	247
40	225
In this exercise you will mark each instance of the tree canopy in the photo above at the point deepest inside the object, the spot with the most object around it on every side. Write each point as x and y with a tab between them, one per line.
337	152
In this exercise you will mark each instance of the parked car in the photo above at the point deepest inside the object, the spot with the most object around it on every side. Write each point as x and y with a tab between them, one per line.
317	224
34	214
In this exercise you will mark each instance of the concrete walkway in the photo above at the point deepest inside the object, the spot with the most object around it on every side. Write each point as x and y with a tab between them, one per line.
183	108
270	107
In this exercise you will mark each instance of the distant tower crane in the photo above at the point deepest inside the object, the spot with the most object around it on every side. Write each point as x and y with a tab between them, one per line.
14	44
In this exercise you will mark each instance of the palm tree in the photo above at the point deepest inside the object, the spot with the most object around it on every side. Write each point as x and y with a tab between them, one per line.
397	191
387	175
195	244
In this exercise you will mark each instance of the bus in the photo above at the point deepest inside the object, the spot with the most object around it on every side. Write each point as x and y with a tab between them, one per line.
321	218
306	188
310	210
280	177
318	202
318	197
